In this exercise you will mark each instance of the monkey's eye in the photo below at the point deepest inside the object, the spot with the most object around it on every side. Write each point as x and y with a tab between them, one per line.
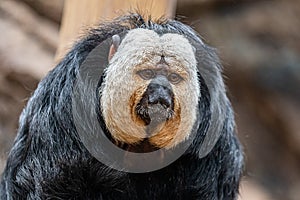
174	78
146	74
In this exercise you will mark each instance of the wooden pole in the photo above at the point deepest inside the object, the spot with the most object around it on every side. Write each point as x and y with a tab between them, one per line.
78	15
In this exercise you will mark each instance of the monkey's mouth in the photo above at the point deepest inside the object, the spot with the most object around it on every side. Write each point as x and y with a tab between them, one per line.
154	114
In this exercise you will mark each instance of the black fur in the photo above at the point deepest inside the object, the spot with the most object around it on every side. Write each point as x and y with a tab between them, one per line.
48	160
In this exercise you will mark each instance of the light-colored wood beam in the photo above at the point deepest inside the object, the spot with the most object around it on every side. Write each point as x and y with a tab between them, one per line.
79	15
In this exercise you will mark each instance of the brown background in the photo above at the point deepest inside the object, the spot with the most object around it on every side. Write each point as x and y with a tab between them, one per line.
259	43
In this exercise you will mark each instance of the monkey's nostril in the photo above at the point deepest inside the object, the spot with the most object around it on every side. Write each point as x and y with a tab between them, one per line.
163	99
165	102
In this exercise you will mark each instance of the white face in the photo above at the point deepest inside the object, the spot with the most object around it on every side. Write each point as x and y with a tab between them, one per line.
128	76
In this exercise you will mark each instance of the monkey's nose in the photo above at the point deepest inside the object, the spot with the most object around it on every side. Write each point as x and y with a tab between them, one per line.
158	94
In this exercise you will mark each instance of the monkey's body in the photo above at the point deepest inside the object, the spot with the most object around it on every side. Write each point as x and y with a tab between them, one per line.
49	161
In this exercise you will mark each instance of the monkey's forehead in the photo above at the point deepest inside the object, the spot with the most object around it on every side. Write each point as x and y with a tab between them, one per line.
147	43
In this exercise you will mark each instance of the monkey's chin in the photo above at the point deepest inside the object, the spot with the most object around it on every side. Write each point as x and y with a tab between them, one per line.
158	116
154	114
158	113
150	127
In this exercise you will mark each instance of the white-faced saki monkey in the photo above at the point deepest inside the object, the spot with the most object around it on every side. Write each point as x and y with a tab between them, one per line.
163	129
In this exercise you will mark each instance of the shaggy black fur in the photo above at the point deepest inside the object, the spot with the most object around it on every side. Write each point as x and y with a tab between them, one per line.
48	160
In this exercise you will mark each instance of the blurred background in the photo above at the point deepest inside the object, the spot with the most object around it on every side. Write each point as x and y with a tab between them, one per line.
258	42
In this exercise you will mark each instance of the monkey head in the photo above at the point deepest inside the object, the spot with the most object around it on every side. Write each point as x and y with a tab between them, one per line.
150	90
